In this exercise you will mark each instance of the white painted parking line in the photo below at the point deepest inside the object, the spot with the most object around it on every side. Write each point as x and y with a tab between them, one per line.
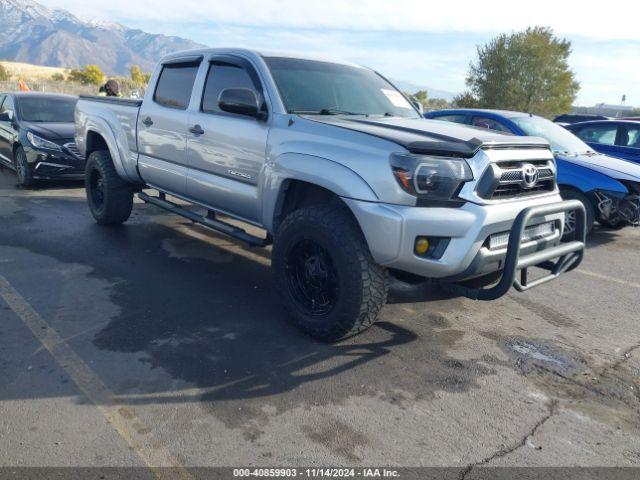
122	418
608	278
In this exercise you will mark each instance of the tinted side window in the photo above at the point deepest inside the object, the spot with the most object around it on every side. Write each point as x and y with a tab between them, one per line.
175	85
489	124
220	77
604	134
8	106
629	137
452	118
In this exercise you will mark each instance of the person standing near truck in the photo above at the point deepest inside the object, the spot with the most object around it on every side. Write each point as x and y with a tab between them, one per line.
110	89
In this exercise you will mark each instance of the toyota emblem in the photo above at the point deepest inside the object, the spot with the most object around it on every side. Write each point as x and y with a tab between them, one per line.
530	175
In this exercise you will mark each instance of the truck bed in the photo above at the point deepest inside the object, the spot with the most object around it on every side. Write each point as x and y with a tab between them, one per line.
132	102
115	119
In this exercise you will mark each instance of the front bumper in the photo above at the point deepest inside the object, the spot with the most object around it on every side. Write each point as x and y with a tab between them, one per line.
391	231
567	256
49	164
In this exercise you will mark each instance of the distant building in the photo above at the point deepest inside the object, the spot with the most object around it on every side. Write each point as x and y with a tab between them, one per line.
607	110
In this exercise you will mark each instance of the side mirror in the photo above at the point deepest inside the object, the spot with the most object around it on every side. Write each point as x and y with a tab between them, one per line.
241	101
5	117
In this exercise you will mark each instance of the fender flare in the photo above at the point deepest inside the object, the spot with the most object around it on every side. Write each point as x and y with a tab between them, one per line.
319	171
116	143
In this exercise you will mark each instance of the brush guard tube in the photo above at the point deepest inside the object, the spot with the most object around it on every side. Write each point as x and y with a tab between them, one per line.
557	260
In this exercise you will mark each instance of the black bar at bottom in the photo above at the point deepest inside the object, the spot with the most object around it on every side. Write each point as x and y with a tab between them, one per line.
207	221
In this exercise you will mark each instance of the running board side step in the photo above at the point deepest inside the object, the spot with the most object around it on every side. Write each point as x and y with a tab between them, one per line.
208	221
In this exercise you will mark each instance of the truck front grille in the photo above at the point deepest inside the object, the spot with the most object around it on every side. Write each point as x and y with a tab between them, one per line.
515	190
517	179
515	176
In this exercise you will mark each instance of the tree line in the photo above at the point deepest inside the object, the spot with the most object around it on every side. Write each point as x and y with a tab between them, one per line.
93	75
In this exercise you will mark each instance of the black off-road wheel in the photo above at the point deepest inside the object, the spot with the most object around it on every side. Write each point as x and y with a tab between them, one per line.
570	217
23	172
110	198
324	272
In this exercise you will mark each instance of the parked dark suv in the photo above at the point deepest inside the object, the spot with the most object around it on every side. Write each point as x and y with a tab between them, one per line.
37	136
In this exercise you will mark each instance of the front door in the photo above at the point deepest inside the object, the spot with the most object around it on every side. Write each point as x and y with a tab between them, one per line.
162	128
227	150
7	129
599	136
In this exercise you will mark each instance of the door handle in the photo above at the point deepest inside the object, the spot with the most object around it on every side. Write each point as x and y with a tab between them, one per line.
147	122
197	130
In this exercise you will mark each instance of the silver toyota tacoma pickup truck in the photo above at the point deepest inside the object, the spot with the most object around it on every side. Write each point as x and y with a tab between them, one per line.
340	170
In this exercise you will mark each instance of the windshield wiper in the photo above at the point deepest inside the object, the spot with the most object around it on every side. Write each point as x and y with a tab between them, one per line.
336	111
326	111
303	112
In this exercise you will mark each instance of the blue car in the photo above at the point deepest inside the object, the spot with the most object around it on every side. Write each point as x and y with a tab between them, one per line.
618	138
608	187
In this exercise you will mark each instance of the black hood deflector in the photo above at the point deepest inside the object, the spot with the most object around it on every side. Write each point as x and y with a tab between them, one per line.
430	139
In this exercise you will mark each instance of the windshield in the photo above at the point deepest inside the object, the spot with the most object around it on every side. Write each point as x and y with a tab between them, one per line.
313	87
561	139
43	109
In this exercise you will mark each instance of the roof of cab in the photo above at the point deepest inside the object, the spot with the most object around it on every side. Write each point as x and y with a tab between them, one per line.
204	52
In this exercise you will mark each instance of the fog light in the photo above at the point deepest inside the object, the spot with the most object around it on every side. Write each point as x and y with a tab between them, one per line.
422	245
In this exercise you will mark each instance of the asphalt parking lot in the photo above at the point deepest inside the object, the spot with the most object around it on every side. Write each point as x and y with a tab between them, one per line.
161	343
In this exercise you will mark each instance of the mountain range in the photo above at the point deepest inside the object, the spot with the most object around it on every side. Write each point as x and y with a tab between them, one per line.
33	33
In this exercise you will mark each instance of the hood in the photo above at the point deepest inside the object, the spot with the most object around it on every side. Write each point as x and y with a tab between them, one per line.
431	137
51	131
613	167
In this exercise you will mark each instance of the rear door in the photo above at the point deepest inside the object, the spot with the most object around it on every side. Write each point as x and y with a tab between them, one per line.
599	136
628	142
227	154
162	127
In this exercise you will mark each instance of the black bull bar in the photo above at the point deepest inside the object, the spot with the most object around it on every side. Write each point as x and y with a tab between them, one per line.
557	260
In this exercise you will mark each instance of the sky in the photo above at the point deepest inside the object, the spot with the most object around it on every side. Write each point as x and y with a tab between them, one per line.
422	42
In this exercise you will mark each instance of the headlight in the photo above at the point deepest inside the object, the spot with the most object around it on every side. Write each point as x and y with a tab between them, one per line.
40	142
435	178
